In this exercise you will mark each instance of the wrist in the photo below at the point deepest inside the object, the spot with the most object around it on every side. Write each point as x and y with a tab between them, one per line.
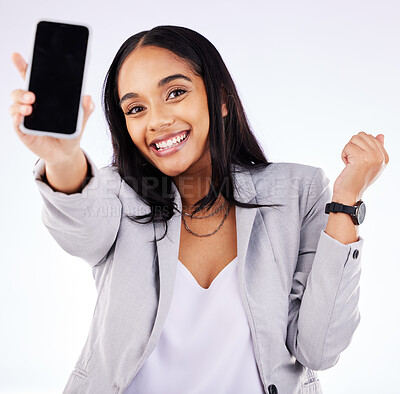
69	176
345	199
66	161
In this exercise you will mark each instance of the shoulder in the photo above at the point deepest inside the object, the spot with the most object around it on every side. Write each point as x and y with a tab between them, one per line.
121	187
110	171
288	180
106	176
105	179
110	176
285	169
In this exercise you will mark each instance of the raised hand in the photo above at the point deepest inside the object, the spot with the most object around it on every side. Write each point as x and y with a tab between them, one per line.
51	150
365	158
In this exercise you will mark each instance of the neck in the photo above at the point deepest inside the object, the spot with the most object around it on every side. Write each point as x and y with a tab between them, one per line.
194	184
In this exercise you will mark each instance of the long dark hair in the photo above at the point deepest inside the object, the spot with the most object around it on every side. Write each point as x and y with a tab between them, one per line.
231	140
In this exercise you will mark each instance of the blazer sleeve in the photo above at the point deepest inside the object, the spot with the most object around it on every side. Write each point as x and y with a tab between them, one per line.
323	311
84	224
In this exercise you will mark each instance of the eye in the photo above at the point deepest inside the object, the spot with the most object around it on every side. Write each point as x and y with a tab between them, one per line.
177	90
132	111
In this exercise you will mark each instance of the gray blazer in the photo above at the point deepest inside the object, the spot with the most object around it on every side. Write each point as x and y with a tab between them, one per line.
298	285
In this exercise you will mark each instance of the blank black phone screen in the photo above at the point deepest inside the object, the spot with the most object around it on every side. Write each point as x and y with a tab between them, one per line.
56	78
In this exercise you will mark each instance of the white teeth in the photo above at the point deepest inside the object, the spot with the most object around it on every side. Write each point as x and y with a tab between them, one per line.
169	143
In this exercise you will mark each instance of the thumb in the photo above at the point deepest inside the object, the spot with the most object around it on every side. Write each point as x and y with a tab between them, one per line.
88	108
19	63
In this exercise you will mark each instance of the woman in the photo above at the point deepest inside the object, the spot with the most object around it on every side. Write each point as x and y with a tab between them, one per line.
217	271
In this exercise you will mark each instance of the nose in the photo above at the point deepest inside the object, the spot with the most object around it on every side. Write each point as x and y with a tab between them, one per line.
159	117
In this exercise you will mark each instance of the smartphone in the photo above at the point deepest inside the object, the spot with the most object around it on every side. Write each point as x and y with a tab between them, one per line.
56	75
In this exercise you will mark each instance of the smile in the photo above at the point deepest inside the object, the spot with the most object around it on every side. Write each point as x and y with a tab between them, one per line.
171	145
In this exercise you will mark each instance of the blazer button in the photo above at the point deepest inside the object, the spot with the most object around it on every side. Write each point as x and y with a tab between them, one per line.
355	254
272	389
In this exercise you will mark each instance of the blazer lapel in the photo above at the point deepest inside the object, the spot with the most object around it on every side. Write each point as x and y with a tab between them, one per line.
245	192
168	252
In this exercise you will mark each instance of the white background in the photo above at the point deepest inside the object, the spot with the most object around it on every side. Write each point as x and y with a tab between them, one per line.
310	74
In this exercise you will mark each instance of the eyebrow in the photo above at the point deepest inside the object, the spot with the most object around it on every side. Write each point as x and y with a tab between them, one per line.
161	83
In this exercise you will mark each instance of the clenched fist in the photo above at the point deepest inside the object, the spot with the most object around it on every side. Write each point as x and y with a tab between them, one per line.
365	158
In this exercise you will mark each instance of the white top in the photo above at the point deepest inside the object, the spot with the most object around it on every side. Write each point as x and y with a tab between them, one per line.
205	345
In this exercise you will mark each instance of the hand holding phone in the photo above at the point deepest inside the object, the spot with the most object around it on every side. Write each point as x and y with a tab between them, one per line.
56	75
51	150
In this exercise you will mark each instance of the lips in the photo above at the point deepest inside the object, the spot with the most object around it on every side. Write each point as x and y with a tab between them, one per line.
172	149
167	137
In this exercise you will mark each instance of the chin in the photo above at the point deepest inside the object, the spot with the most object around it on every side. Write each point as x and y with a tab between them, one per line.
173	171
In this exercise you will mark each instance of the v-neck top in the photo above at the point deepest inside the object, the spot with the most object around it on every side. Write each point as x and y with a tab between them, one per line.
205	345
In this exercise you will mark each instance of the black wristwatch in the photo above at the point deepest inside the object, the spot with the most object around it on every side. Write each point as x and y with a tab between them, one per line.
356	212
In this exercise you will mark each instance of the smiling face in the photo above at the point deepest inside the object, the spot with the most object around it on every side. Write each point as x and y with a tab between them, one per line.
163	98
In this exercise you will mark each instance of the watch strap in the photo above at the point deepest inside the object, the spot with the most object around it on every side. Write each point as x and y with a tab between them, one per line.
337	207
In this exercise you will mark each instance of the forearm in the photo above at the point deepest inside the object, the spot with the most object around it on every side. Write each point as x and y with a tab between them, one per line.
68	177
84	224
339	225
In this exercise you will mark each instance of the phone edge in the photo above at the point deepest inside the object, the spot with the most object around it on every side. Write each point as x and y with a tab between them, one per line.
79	124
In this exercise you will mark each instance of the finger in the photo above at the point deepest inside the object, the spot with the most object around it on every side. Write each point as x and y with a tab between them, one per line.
22	96
17	119
375	145
18	109
350	151
381	138
88	108
27	139
380	142
19	63
360	140
378	147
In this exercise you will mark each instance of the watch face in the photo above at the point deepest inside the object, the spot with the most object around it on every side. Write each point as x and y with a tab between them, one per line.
361	213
